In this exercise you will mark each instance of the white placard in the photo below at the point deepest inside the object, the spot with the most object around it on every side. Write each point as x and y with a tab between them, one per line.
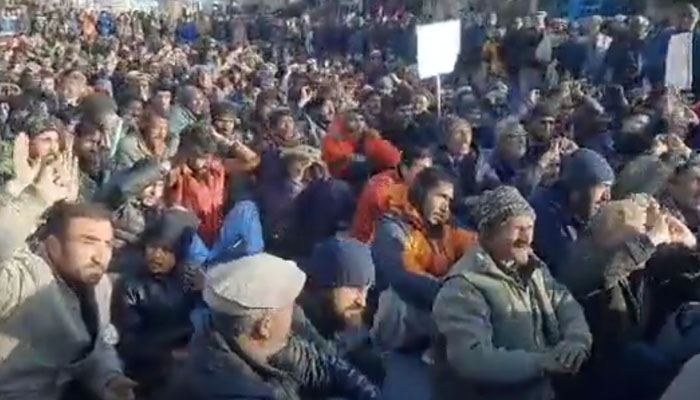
438	48
679	61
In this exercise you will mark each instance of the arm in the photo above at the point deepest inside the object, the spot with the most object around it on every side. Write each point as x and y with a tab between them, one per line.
320	372
20	217
462	316
388	252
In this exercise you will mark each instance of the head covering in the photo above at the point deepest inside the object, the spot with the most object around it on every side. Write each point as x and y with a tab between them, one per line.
168	231
223	110
39	123
510	128
341	262
258	282
586	168
544	110
499	205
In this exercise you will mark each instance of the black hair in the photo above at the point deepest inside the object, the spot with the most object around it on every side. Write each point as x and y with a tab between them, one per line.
61	214
196	139
426	180
86	127
414	152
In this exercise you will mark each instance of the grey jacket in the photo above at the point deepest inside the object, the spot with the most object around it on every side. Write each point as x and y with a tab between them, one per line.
44	341
493	327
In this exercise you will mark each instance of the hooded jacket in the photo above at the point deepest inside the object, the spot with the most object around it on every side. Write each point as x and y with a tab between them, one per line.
494	325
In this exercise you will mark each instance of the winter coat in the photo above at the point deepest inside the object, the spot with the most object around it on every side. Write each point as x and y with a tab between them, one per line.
218	368
372	203
525	176
686	385
408	258
152	313
340	151
46	341
556	227
494	324
133	148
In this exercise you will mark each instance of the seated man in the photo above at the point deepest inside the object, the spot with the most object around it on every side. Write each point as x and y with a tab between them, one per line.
244	348
340	274
506	326
374	199
564	210
56	339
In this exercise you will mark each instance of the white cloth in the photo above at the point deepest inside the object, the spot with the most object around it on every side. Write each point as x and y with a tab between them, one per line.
679	61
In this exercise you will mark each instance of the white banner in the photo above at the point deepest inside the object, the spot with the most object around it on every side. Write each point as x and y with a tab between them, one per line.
438	48
679	61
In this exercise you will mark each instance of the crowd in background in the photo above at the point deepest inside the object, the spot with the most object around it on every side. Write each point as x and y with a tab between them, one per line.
254	205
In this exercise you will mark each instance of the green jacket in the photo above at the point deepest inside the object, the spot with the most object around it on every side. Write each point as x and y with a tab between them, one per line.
494	325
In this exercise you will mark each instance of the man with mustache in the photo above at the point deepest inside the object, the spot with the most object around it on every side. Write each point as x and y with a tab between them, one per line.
56	340
341	272
565	209
506	326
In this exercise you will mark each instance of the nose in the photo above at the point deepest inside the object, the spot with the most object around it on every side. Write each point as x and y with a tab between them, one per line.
361	300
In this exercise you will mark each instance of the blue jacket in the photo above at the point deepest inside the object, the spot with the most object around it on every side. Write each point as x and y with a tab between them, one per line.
105	24
525	176
187	32
556	227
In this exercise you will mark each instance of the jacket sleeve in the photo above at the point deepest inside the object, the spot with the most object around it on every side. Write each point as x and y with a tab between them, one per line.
569	312
388	251
381	153
19	217
463	318
323	373
101	366
550	246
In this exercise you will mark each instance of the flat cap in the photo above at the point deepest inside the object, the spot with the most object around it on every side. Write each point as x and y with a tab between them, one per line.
257	282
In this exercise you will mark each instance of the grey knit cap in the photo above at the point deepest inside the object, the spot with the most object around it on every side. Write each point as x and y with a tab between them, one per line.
497	206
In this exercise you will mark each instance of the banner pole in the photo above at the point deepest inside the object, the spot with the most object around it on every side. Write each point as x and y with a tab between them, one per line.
438	94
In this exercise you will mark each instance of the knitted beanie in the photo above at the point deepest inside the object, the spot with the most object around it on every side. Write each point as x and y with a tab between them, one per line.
499	205
585	168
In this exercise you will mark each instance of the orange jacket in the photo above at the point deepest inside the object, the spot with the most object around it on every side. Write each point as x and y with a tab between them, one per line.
372	203
338	149
422	253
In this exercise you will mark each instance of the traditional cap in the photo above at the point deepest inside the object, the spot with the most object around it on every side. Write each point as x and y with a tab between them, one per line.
341	262
258	282
497	206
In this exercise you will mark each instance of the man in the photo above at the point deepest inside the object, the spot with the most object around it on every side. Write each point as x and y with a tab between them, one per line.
150	142
506	326
92	151
61	288
681	197
245	348
100	110
626	56
341	272
564	210
373	200
190	107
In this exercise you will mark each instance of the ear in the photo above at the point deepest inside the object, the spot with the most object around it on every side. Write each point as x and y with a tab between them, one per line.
263	328
53	247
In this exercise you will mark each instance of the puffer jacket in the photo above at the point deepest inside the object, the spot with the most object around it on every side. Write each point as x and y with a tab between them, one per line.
408	257
219	369
494	325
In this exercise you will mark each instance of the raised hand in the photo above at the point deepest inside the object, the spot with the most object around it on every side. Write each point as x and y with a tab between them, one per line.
25	171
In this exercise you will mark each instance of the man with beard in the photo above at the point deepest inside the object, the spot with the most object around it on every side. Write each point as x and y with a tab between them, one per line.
60	287
150	143
341	272
92	151
681	197
564	210
506	326
100	110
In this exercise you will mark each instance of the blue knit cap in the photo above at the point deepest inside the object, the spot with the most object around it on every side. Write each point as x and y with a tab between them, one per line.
341	262
586	168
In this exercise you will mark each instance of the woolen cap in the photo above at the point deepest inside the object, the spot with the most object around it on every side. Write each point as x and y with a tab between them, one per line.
586	168
499	205
341	262
257	282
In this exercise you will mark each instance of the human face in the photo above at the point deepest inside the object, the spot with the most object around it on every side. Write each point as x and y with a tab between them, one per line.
585	203
327	111
160	261
135	109
543	128
156	130
355	123
197	104
459	141
685	188
286	128
349	304
200	164
162	101
205	81
512	241
373	105
152	195
46	144
418	165
73	89
83	253
89	148
225	126
436	210
420	104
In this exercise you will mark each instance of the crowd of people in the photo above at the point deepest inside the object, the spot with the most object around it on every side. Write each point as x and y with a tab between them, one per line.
253	205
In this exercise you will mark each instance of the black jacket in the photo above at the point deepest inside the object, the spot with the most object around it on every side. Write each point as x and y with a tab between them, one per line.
152	315
219	370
